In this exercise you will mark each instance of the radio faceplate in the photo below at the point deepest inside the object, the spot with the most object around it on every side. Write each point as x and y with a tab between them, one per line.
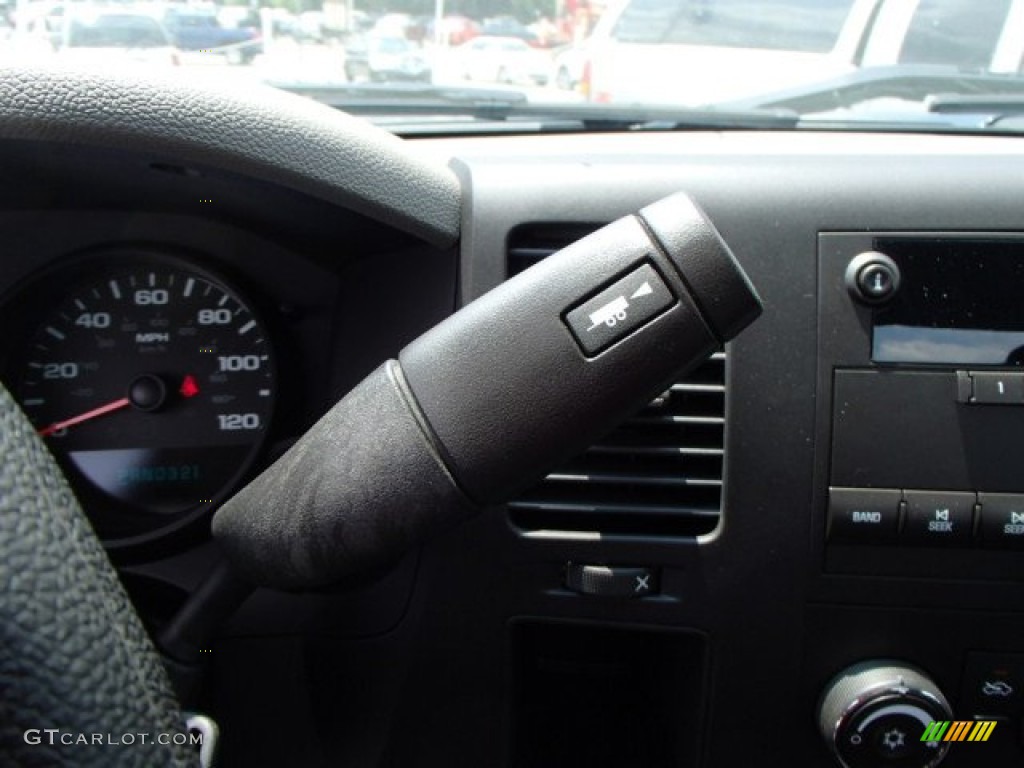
921	399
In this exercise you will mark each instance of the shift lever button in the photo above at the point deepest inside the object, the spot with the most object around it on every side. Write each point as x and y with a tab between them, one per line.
619	310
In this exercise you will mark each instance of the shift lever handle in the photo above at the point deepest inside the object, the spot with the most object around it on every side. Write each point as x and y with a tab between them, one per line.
486	402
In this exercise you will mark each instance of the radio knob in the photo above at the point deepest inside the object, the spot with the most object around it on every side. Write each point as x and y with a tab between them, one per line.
874	714
872	277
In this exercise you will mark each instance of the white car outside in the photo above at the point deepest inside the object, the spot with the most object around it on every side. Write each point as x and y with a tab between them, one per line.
696	52
395	58
502	60
570	65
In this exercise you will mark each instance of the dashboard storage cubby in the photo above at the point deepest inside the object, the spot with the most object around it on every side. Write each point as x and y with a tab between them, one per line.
597	696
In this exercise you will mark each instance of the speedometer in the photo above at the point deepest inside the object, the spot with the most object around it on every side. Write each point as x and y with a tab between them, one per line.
153	385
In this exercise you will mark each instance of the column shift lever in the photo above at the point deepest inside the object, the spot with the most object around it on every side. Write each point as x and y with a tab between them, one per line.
486	402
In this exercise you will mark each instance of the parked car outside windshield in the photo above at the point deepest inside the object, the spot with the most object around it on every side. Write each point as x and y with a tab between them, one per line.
502	60
672	52
199	29
847	63
384	59
114	39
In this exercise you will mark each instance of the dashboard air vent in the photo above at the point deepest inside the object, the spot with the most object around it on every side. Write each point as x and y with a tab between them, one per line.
658	474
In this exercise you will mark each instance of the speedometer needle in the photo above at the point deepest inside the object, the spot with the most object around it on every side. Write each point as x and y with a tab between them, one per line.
103	409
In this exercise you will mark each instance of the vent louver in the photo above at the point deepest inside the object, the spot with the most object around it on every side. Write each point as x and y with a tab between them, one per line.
658	474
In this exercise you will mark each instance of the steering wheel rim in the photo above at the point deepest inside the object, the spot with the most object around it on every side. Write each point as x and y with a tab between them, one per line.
80	681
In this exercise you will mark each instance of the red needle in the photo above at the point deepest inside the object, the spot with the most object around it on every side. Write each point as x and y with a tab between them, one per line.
103	409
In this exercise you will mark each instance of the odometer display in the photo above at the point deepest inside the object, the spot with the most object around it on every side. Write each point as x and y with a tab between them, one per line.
153	384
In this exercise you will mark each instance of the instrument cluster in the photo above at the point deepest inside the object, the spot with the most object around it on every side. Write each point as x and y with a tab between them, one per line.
152	380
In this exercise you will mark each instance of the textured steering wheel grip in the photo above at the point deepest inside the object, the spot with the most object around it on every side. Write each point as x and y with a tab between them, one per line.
73	654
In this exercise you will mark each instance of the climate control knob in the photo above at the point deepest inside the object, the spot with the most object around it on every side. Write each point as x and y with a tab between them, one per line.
874	713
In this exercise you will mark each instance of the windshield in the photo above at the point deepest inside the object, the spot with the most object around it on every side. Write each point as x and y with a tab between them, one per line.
895	64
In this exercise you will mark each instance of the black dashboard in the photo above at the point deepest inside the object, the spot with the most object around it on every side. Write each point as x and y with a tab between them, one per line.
757	529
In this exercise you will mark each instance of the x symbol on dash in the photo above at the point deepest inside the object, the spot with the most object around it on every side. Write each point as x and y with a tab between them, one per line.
642	584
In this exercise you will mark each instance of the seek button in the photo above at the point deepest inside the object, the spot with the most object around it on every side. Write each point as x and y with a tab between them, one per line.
939	518
1002	520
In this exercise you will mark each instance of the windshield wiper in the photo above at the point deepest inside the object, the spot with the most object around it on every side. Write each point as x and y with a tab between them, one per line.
627	117
997	105
388	98
915	83
418	108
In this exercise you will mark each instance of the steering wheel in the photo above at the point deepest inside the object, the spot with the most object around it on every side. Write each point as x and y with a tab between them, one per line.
80	681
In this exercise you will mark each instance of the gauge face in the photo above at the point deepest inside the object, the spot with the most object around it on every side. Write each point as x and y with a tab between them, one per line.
153	385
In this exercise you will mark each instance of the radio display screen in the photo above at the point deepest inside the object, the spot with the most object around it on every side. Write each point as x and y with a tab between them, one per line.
960	302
